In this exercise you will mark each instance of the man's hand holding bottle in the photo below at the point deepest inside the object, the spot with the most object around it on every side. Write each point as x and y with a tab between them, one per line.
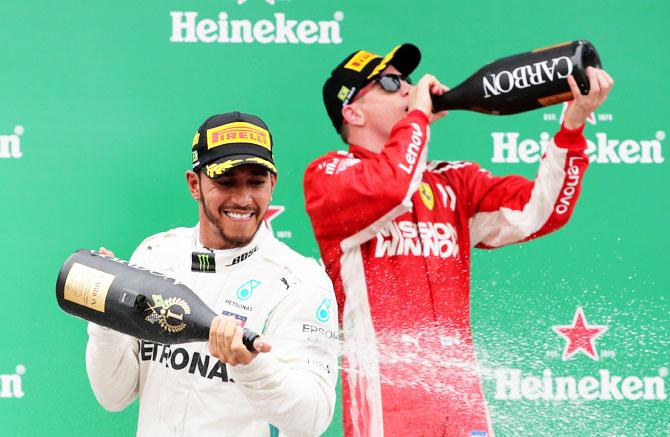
582	106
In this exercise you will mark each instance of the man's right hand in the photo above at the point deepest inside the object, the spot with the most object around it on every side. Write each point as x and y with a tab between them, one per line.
419	96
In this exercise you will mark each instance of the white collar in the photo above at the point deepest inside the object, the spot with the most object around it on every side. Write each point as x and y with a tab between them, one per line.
231	257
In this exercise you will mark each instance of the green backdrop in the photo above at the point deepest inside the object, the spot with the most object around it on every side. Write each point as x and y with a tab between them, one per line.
98	105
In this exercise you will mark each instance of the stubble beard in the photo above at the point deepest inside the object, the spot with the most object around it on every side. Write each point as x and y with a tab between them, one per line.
231	241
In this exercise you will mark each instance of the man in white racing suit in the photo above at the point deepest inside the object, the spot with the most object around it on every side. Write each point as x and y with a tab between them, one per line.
236	266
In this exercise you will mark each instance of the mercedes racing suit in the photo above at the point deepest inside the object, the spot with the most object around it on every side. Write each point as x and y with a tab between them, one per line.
395	235
184	391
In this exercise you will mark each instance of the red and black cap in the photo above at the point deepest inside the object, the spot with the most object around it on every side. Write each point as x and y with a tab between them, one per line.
359	69
227	140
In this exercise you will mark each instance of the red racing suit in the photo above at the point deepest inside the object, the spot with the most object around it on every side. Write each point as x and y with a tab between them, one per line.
395	234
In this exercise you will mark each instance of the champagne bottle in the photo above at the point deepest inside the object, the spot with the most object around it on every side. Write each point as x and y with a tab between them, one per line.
524	81
134	300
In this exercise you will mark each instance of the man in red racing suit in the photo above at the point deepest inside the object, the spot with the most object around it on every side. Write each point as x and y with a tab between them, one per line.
395	234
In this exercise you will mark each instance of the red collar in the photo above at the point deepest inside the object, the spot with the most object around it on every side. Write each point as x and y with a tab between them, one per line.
361	152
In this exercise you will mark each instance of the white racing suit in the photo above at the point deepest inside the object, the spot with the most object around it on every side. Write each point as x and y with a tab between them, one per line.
184	391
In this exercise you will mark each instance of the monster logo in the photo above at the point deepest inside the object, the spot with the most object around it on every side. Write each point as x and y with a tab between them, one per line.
203	262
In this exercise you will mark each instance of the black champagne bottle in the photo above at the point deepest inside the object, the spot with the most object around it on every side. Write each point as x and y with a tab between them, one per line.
133	300
523	82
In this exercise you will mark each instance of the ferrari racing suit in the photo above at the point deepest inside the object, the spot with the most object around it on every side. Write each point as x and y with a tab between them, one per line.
395	234
184	391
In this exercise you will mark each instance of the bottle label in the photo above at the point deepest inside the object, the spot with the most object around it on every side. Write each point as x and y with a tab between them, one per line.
87	286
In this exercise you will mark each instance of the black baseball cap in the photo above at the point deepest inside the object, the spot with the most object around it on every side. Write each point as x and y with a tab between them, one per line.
359	69
227	140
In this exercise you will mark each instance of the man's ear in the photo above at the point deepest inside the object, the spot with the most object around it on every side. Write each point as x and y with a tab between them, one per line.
353	115
193	182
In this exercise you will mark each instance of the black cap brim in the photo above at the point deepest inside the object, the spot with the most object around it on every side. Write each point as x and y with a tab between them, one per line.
405	58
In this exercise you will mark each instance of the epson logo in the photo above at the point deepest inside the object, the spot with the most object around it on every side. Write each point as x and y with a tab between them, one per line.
11	384
10	145
527	75
186	27
318	330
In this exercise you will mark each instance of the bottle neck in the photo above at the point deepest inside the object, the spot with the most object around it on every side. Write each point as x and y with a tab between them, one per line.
455	98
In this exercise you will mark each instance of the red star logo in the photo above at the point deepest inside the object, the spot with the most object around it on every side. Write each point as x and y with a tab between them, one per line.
580	336
273	211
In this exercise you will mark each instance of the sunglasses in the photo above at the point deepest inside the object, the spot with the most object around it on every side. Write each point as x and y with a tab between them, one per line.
389	82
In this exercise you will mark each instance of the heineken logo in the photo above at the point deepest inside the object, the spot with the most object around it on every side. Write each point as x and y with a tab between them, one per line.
168	313
203	262
581	383
602	147
11	384
580	336
272	213
10	145
279	28
514	385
